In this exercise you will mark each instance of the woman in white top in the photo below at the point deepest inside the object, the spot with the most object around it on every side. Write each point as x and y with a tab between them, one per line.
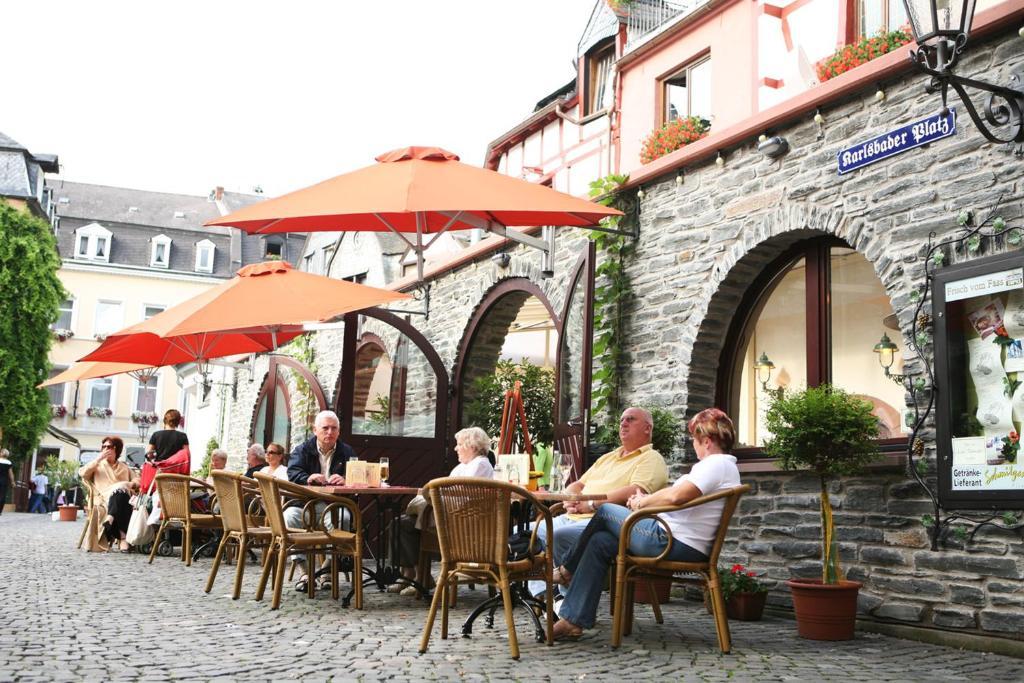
693	530
276	466
471	446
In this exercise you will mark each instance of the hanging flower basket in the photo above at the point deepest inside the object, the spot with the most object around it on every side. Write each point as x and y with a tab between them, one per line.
62	335
58	410
144	418
853	55
673	135
99	412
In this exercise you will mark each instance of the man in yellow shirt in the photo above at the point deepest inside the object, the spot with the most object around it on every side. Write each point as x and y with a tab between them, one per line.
633	467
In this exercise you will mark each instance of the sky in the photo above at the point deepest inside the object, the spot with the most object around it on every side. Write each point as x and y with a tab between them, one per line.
184	96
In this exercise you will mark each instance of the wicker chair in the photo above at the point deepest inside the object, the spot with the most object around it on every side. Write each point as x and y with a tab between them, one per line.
233	490
630	569
92	497
176	505
316	538
472	520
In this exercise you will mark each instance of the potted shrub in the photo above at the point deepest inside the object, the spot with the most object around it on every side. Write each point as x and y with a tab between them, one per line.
830	433
63	476
744	595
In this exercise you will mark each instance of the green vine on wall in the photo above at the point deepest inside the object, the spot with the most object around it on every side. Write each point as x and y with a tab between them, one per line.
612	292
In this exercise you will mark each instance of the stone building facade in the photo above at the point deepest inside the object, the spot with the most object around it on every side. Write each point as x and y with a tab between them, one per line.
705	236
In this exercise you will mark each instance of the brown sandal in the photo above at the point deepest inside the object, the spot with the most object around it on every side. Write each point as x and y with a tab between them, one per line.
566	630
561	576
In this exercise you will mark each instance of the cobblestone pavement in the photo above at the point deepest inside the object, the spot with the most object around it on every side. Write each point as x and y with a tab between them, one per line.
71	615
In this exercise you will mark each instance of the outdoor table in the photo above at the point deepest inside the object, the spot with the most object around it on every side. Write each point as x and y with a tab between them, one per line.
521	596
389	509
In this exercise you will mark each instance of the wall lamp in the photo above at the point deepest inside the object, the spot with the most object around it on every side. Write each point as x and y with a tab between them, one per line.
941	29
764	367
501	259
886	351
773	147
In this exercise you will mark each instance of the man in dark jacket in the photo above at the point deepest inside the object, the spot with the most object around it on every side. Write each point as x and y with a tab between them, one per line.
317	461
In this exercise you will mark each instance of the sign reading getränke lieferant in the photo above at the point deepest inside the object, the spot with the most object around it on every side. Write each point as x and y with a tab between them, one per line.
896	142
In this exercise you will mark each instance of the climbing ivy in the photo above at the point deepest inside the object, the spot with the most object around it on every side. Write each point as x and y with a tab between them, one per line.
611	295
305	404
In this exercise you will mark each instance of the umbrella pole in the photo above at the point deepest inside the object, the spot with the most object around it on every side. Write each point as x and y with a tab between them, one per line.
419	265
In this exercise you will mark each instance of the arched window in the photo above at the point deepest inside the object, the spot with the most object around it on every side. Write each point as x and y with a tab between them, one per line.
816	313
291	396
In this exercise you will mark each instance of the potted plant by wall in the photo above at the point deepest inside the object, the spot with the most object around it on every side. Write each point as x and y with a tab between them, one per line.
830	433
63	476
744	595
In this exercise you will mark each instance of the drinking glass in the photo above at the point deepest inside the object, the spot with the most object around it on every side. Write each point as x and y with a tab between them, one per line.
385	470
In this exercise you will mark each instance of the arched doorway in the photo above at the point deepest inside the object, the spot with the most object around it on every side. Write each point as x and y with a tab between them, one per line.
289	399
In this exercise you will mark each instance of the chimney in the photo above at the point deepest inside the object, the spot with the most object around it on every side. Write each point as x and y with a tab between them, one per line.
218	193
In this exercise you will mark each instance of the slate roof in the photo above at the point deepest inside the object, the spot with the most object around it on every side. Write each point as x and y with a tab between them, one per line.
135	217
20	170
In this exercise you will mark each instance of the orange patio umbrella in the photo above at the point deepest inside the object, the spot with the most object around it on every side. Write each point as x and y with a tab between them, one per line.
94	370
265	305
421	191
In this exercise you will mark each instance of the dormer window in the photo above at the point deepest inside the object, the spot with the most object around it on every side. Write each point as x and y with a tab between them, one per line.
160	255
598	72
275	247
205	251
92	243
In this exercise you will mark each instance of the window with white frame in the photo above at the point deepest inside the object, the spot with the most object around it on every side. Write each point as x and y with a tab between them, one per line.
92	243
687	92
101	393
205	250
56	391
109	318
145	395
880	16
326	254
65	317
149	310
160	254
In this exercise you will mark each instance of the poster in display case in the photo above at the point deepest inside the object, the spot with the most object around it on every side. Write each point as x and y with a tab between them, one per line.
979	381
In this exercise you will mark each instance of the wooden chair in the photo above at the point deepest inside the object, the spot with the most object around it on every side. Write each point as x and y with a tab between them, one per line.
90	521
630	569
176	507
472	520
316	538
233	491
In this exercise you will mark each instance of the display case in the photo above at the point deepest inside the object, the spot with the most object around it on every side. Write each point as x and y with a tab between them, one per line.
979	382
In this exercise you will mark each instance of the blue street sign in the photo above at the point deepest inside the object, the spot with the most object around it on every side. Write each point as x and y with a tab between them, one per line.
896	142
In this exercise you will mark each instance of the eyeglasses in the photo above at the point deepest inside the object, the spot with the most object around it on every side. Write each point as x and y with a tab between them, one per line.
107	445
275	453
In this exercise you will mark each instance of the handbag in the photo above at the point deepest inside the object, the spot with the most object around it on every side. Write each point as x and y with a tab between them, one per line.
139	530
519	546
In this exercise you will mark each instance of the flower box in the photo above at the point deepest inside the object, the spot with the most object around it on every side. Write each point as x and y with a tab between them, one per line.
58	410
100	336
674	135
853	55
99	412
147	418
62	335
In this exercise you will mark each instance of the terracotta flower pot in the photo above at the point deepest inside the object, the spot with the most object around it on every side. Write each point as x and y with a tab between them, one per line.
68	513
824	611
746	606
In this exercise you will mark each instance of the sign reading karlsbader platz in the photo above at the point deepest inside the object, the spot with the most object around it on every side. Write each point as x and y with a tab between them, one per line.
896	142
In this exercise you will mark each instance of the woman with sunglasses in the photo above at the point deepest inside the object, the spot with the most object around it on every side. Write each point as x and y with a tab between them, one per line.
112	482
276	466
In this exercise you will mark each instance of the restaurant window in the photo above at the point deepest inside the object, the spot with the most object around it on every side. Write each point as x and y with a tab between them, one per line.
109	318
92	243
687	92
56	391
599	74
876	16
160	254
65	315
145	395
205	251
816	315
100	391
396	393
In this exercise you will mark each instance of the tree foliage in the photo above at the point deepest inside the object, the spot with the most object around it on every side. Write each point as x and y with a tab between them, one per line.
538	391
30	297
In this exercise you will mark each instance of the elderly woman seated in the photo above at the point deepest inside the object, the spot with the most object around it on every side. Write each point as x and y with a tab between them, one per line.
471	446
693	530
112	483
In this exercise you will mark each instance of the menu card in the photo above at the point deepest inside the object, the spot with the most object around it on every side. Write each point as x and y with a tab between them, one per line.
362	473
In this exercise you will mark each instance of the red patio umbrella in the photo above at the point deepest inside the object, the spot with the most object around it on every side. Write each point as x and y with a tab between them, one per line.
264	306
421	191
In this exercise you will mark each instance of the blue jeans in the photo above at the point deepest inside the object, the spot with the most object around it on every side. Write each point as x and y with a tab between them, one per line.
566	531
37	503
595	551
